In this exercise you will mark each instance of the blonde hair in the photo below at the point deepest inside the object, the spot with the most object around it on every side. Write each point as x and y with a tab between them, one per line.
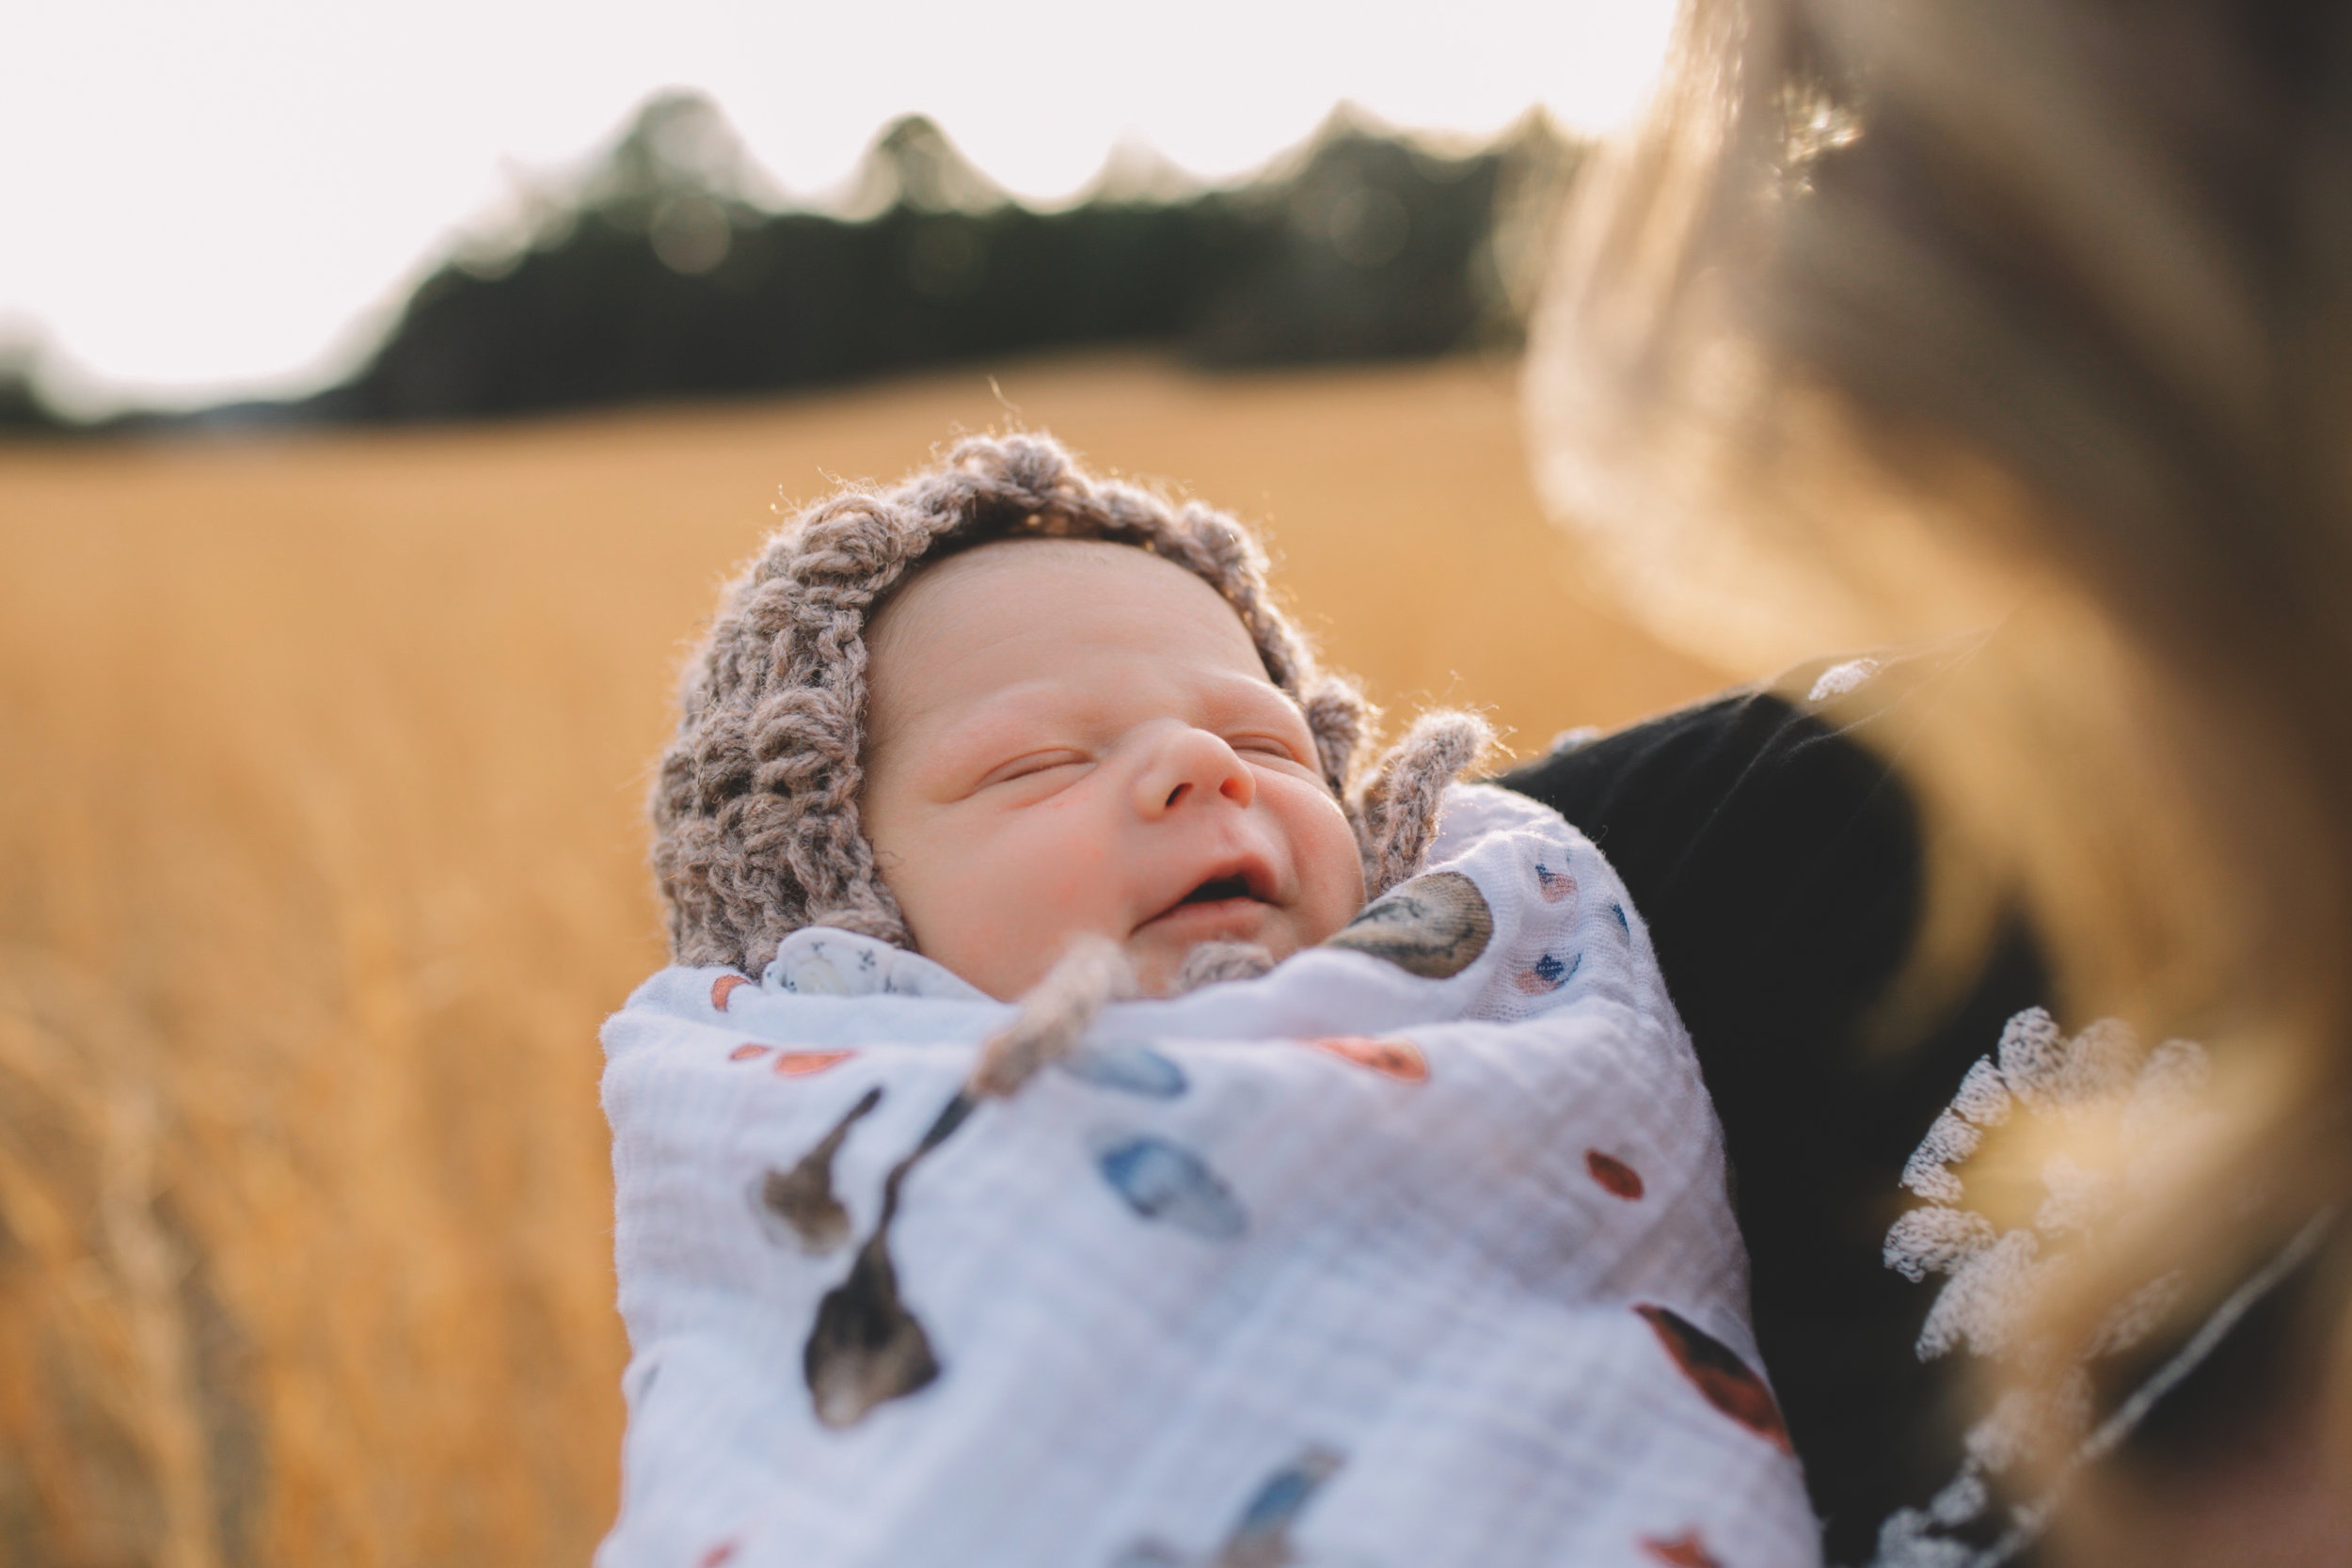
1894	318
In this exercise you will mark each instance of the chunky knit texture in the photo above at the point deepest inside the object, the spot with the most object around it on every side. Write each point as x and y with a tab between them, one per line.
756	810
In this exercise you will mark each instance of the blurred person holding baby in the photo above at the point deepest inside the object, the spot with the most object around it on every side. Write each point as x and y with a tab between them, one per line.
2016	965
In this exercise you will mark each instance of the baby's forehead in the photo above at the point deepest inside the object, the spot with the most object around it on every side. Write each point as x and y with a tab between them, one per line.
1047	555
1052	583
1058	628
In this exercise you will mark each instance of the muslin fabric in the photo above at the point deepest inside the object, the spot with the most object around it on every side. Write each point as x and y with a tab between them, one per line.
1413	1251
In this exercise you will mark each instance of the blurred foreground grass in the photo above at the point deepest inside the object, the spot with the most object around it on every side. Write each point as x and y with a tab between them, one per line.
320	861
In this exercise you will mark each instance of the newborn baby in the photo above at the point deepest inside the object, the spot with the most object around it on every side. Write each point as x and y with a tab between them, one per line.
1090	1175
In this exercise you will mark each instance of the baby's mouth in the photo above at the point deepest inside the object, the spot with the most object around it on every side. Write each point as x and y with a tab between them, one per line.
1248	882
1217	890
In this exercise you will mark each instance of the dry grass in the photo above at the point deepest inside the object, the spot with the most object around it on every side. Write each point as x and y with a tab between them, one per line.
319	763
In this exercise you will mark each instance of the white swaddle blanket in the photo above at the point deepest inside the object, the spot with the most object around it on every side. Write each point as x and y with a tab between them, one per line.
1414	1252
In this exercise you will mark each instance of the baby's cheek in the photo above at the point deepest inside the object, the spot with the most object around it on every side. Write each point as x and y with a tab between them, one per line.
1332	873
1055	881
1017	902
1072	875
1327	920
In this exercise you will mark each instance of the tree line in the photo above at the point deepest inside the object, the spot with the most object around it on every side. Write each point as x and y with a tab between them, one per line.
662	275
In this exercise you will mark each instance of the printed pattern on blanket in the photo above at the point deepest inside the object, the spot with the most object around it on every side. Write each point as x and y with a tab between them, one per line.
1414	1251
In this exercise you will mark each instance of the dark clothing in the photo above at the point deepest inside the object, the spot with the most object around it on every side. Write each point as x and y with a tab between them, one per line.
1776	854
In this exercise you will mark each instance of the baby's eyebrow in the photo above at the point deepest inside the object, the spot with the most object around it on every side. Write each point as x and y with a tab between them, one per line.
976	736
1261	690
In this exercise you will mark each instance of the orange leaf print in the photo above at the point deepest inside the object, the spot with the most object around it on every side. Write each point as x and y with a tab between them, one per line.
799	1063
1398	1059
1721	1377
1615	1174
1682	1551
748	1049
723	988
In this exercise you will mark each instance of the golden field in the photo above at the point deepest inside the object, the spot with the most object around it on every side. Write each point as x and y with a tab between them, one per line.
321	760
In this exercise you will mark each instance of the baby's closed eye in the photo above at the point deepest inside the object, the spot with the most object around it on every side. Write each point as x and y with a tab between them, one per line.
1279	750
1033	765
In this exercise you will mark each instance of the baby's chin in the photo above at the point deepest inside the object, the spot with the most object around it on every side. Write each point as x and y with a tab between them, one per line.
1168	962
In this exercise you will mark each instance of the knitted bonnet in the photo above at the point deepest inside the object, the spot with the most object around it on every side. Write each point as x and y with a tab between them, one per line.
756	810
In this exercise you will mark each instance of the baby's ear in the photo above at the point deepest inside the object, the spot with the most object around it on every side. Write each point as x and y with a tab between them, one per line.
1398	807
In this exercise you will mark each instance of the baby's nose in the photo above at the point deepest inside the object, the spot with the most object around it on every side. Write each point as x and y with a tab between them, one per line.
1191	766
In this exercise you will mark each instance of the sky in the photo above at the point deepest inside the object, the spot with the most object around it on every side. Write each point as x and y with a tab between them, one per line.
216	199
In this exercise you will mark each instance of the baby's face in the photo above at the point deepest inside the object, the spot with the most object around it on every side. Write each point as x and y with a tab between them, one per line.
1067	736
